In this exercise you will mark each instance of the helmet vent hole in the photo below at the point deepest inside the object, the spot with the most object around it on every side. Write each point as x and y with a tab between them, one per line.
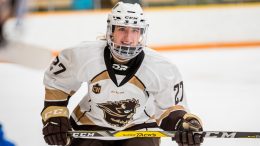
130	11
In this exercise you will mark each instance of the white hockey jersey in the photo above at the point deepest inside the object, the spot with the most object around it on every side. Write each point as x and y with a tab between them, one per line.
151	90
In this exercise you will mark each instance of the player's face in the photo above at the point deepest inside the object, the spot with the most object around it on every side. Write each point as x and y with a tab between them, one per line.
126	35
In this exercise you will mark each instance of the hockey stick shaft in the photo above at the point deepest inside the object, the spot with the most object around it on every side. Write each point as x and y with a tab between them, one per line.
207	134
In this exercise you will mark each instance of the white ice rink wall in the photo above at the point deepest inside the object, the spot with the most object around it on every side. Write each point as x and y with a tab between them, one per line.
222	85
168	26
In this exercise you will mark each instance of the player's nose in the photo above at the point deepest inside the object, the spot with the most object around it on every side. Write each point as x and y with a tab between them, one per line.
128	38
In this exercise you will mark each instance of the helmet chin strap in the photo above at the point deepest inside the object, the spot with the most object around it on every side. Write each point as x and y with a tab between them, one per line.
118	60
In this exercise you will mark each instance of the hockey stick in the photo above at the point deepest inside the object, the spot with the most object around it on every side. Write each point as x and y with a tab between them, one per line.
207	134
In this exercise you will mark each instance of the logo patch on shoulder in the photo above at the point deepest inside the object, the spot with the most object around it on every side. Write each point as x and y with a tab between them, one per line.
96	88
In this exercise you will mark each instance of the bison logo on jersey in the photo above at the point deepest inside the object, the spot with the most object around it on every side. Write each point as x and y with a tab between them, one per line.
96	88
119	113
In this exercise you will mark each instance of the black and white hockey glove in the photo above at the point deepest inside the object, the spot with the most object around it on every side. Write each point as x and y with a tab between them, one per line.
56	125
184	127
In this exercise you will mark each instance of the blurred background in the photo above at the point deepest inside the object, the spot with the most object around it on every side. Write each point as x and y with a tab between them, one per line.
214	43
55	5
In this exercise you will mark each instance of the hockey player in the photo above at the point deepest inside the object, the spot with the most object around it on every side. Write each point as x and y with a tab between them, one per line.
130	87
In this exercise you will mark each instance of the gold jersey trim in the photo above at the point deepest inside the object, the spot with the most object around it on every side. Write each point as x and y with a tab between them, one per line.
134	80
102	76
55	95
81	117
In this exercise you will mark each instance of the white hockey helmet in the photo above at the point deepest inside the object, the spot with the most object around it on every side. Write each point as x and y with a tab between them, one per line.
129	15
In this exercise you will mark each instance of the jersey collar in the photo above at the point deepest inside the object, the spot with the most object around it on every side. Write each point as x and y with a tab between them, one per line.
133	66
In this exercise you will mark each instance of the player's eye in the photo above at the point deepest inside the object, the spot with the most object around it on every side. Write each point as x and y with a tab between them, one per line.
121	29
136	30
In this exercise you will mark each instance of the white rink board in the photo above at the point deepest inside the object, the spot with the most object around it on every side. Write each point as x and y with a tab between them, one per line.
167	27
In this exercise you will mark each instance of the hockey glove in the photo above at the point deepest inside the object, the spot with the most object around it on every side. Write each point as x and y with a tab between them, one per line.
184	127
56	125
